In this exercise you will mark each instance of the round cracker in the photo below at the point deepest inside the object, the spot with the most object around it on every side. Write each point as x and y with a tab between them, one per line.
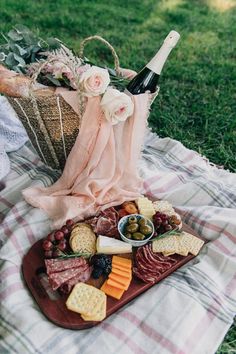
83	240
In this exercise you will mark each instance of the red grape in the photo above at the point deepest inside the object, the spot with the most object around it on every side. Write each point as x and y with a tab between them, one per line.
163	217
48	254
158	221
50	237
168	227
65	230
62	245
69	222
165	222
47	245
59	235
56	253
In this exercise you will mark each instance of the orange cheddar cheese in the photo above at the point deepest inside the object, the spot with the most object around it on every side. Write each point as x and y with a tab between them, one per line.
117	285
119	279
112	291
123	273
122	268
125	262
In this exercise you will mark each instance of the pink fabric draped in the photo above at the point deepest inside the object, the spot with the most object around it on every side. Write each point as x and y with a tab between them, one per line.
101	169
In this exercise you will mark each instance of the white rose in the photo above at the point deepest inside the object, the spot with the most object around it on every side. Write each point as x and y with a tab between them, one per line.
116	105
94	81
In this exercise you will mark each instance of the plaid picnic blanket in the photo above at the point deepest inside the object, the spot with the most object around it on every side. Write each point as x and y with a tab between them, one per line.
188	312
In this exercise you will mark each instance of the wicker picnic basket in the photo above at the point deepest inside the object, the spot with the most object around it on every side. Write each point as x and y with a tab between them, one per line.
51	123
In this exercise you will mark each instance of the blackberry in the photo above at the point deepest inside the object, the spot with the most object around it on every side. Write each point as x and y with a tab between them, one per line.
97	272
107	270
99	262
108	260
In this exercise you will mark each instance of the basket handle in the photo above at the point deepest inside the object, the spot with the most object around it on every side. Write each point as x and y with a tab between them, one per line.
114	54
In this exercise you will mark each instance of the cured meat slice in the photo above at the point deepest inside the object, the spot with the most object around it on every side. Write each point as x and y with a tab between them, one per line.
146	277
57	279
149	265
105	223
66	287
58	265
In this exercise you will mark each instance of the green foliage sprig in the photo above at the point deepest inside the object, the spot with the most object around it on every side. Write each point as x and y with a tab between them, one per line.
168	233
24	52
22	47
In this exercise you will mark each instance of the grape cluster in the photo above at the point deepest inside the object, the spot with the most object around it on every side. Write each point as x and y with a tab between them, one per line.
164	223
101	265
57	241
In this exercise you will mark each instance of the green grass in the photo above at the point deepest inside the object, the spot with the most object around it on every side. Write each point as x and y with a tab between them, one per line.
196	104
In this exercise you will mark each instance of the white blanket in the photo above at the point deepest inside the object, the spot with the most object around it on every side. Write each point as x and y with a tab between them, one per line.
188	312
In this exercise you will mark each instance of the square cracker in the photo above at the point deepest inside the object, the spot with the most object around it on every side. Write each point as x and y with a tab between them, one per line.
84	299
190	242
168	244
100	312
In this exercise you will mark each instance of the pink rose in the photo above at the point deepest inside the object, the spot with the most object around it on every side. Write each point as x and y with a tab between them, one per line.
94	81
116	105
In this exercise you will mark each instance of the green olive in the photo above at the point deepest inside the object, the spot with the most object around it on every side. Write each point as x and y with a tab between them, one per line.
146	230
138	236
142	222
132	220
128	235
132	228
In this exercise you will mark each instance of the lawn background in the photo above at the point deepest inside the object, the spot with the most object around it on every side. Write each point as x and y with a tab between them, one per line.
197	101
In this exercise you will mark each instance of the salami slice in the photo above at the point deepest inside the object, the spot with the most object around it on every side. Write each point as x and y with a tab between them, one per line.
84	276
149	265
57	279
58	265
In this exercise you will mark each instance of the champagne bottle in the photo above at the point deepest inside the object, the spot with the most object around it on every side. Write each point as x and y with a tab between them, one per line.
147	79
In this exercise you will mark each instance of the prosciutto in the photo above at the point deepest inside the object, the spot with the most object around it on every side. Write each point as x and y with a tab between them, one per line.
106	222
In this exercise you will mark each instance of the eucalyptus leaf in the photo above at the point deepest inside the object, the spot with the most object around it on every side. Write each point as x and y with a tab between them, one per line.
10	60
33	57
13	35
29	38
18	69
53	43
52	79
21	28
111	72
36	49
21	51
2	56
19	59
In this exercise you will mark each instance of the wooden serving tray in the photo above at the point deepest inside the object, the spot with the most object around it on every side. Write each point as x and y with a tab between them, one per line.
52	304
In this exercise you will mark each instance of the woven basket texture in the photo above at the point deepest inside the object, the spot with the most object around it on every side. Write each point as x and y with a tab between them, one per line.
51	129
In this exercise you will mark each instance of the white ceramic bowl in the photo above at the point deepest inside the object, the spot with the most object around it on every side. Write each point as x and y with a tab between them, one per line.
135	243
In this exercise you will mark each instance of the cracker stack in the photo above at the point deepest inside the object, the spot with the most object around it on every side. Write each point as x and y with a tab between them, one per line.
163	206
180	244
83	239
88	301
145	207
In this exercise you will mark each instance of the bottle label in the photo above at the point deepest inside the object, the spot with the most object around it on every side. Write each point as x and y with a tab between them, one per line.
158	61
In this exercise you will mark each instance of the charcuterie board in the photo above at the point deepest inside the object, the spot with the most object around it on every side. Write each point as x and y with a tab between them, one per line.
52	304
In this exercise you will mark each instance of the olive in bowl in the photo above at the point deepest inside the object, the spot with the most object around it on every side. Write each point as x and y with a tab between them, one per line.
135	229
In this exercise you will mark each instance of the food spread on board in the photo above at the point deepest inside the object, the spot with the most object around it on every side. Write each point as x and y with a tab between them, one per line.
138	239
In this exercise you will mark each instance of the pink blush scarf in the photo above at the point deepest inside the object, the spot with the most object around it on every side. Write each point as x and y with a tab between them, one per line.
101	169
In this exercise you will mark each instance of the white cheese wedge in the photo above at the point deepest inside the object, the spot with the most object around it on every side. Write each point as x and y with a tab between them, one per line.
109	245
